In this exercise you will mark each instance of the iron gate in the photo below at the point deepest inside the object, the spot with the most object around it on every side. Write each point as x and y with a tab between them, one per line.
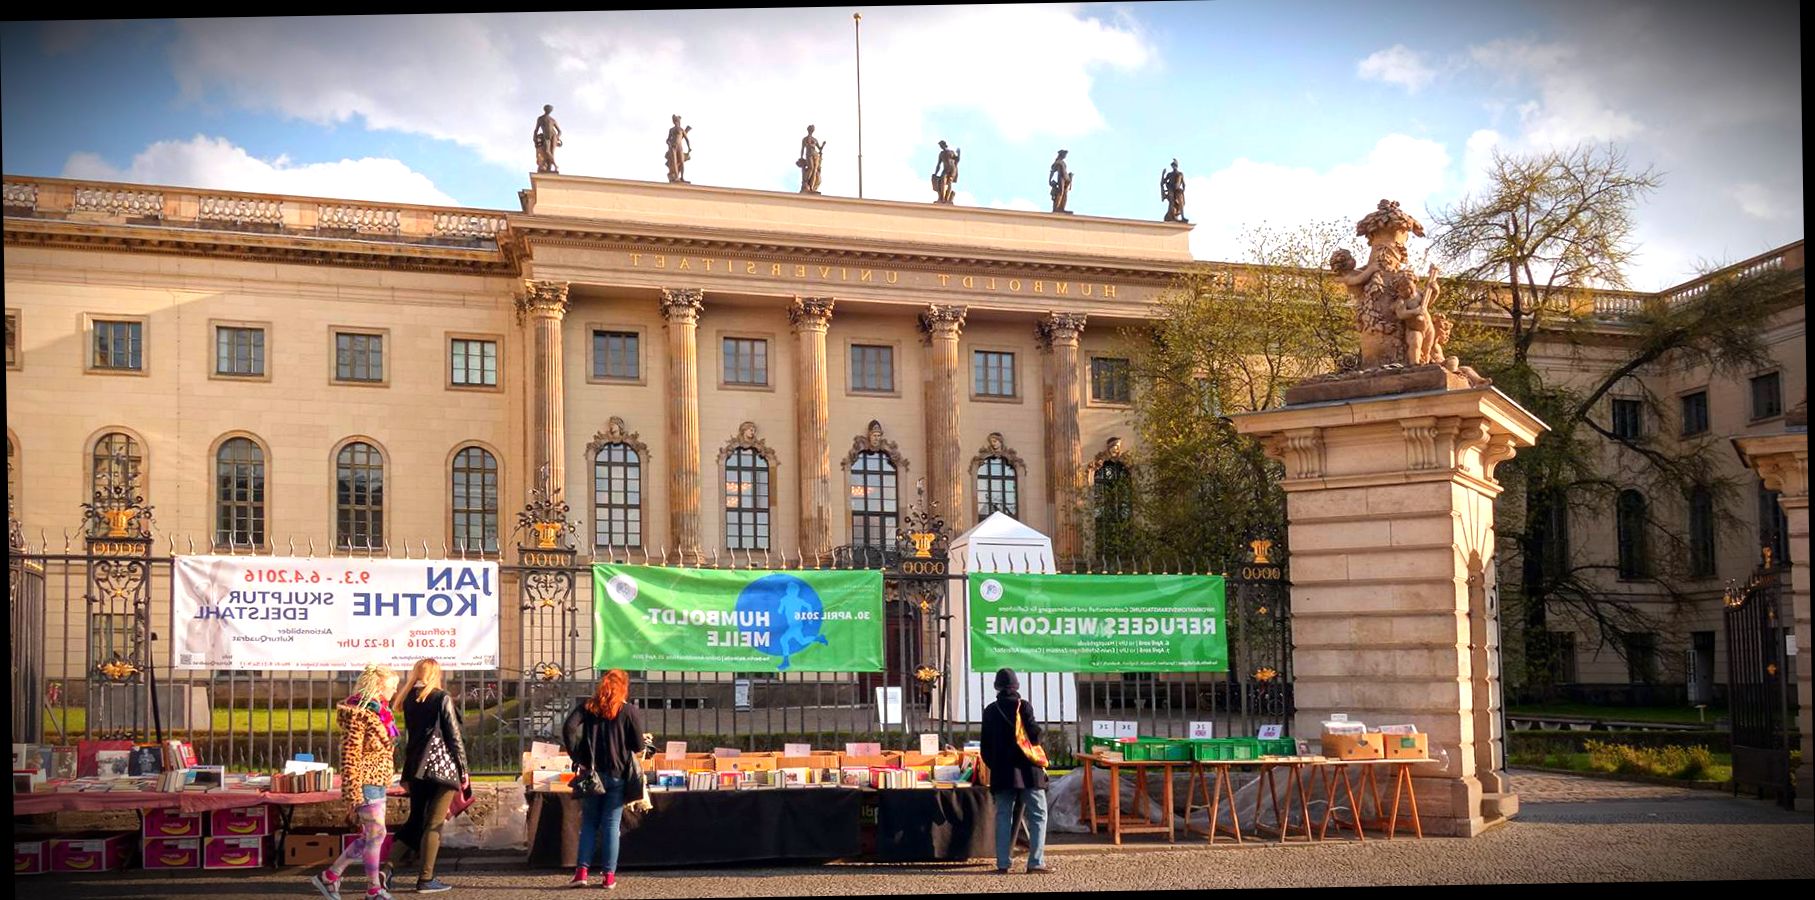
1756	686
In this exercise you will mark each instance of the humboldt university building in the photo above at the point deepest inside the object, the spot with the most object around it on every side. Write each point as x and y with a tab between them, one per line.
693	368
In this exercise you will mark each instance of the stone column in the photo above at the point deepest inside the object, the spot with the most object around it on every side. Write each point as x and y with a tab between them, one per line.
810	317
1058	333
1782	461
681	307
940	326
1390	505
541	307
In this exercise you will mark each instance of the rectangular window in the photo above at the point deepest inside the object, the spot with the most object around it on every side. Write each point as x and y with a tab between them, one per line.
993	373
1628	418
746	361
1701	532
474	363
239	351
1641	658
1563	657
119	345
1109	380
1773	526
12	339
872	368
1695	413
358	357
1767	396
615	355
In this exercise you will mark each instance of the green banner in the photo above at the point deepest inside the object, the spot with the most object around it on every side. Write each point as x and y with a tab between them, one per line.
712	620
1098	623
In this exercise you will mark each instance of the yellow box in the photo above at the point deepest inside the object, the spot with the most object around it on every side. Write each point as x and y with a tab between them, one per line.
1354	746
1407	746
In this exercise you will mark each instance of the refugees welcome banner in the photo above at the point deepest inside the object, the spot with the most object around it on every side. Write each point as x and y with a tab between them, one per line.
1098	623
711	620
284	614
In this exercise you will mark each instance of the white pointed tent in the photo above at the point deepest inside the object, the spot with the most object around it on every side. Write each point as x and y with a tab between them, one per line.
998	544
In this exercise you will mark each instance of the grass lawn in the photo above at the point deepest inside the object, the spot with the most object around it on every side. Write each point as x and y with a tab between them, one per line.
1720	773
74	720
1673	714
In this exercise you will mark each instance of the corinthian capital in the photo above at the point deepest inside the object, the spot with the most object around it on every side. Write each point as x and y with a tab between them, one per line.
542	297
682	304
1059	328
942	321
810	313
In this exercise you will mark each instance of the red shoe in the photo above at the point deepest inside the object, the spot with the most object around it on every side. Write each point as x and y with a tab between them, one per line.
611	881
579	878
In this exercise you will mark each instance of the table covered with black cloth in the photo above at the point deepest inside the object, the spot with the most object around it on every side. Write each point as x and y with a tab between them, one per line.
707	827
921	825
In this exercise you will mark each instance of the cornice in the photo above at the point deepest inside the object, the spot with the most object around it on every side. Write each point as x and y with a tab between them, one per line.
258	247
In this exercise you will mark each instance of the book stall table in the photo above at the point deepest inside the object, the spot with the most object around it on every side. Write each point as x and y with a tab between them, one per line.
1337	773
1114	822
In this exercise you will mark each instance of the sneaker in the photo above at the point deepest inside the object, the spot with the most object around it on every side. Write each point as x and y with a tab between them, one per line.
579	878
433	886
1001	871
1039	870
330	889
380	894
611	881
385	873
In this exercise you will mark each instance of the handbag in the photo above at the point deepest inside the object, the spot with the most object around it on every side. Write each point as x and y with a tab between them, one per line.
1035	753
437	760
463	799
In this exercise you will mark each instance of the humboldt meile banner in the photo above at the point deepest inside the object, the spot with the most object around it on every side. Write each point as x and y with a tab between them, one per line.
1098	623
710	620
286	614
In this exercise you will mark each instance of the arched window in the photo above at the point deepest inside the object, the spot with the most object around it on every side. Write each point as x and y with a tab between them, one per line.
617	496
239	494
997	488
1113	490
1701	532
475	501
359	496
746	500
1629	522
116	463
874	495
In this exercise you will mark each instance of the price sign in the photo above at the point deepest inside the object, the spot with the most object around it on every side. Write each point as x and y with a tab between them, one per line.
1127	729
1271	732
1102	728
1203	731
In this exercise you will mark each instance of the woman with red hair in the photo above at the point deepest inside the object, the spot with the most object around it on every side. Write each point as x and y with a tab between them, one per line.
603	736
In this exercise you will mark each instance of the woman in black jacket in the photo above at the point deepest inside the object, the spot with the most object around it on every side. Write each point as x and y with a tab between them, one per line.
1014	780
603	735
433	770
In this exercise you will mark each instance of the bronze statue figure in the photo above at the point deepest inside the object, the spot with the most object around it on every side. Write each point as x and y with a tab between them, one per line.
1172	190
810	153
1059	180
546	137
680	149
945	173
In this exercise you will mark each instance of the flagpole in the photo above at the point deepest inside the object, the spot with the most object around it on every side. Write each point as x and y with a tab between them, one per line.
857	35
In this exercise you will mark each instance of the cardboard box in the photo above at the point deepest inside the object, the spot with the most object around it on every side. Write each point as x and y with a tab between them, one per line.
171	853
346	840
1354	746
911	759
168	823
245	821
745	764
31	857
310	849
233	852
106	854
797	762
868	762
1407	746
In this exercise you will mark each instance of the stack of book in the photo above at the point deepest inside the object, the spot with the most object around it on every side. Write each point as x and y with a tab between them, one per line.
303	782
172	781
701	781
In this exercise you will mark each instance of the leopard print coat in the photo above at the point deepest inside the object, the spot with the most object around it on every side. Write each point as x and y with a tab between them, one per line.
367	751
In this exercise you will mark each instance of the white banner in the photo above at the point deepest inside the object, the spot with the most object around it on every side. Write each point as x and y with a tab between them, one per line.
284	614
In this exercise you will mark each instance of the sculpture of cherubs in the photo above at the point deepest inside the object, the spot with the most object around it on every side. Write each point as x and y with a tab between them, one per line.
1412	307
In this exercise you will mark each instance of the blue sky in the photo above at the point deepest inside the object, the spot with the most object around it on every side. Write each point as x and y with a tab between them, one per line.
1279	113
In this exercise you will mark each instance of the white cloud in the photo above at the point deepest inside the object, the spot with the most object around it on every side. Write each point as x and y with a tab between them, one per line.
1569	108
1246	193
747	86
1760	202
1398	65
206	162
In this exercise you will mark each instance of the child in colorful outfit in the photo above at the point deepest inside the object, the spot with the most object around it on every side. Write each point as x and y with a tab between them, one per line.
367	747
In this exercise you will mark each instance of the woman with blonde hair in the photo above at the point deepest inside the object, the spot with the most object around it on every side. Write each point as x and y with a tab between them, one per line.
368	741
434	769
604	734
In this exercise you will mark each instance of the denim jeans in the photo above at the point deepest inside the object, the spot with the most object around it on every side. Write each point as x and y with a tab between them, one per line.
1033	801
598	810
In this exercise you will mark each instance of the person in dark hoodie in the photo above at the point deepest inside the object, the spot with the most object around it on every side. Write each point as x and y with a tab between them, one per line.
1016	783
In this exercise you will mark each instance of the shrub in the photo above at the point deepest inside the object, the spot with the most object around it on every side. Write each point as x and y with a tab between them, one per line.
1680	763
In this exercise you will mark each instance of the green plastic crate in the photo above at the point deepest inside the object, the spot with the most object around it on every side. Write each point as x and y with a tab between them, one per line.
1212	750
1157	750
1243	749
1094	744
1278	747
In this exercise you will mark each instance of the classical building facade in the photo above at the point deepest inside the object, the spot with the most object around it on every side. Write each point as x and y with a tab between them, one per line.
698	369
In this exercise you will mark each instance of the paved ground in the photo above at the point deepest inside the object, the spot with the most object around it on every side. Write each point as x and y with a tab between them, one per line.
1569	830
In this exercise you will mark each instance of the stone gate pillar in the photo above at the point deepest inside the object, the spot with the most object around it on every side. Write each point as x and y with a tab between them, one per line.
1782	461
1390	509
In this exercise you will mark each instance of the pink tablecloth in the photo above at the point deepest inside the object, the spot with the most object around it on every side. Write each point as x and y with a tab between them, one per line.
187	801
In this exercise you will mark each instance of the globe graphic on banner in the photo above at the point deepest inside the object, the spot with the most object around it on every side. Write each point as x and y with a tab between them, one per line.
794	610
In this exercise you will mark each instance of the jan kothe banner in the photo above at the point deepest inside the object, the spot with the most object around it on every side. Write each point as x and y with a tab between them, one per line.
1098	623
283	614
710	620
